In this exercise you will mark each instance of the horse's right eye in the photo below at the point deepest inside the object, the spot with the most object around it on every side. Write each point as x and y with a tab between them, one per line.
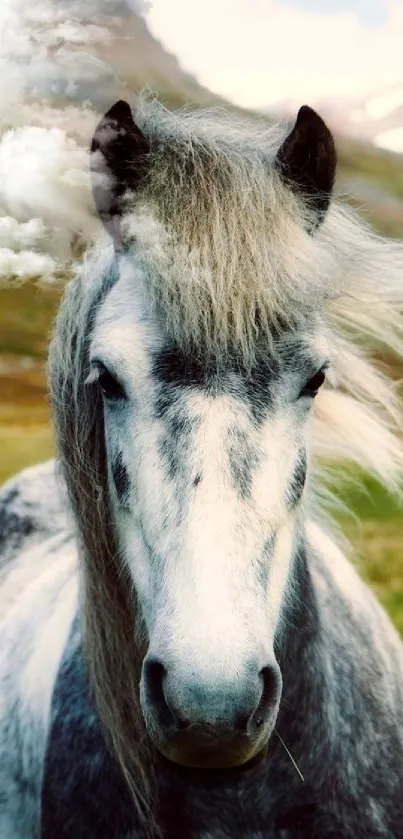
110	387
315	383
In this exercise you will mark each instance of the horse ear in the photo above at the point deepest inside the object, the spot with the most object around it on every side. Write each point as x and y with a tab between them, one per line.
119	159
307	161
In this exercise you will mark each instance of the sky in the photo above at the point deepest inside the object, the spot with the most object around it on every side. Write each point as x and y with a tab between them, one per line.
259	52
369	12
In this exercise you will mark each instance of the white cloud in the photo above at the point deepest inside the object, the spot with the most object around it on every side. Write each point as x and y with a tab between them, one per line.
391	139
38	46
381	106
47	53
21	235
45	200
26	265
258	52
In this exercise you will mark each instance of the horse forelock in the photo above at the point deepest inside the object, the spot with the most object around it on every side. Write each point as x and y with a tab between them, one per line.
223	242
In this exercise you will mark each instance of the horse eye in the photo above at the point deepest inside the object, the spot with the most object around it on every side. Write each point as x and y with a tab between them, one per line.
312	386
110	387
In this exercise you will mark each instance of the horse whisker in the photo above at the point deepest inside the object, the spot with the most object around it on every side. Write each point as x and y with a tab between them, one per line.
294	763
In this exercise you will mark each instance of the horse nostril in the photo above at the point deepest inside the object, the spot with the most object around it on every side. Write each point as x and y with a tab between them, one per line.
154	675
271	684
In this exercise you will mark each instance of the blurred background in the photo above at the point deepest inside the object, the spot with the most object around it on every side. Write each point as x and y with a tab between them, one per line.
63	62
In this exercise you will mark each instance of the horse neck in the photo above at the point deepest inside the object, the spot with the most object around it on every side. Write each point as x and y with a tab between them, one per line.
300	649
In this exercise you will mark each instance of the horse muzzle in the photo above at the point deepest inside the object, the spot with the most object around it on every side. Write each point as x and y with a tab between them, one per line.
199	723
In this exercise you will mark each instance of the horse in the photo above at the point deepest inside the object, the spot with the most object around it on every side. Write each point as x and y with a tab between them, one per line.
187	649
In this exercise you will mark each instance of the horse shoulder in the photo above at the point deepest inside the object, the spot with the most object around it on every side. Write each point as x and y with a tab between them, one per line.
362	665
32	507
38	602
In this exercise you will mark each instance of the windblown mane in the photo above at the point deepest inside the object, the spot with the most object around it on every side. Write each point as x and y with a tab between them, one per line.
226	247
229	258
213	222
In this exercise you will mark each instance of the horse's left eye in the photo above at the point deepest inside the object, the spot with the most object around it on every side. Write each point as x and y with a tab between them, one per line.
312	386
111	388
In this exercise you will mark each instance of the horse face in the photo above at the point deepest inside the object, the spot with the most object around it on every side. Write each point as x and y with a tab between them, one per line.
207	467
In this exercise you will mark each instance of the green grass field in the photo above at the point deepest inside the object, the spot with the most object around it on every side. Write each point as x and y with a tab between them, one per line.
26	314
374	528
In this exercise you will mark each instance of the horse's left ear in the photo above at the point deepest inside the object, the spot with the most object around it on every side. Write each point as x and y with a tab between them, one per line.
307	161
119	159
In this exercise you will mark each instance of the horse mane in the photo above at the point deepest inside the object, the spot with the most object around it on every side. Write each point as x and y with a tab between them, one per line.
225	246
212	223
113	635
229	259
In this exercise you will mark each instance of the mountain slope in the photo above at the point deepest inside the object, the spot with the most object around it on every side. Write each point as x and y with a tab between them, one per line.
139	59
121	57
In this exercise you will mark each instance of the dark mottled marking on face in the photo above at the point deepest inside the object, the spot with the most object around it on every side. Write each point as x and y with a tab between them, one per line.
174	441
175	370
120	478
170	454
165	400
243	459
297	482
295	354
265	560
256	387
259	387
172	366
197	480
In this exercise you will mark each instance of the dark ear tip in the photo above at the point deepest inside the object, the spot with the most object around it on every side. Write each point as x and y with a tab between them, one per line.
119	115
121	111
306	115
305	112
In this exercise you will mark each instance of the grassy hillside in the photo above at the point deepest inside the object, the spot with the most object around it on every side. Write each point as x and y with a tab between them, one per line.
26	315
375	528
373	180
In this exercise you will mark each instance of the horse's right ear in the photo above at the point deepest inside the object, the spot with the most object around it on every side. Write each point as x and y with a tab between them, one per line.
119	160
307	162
